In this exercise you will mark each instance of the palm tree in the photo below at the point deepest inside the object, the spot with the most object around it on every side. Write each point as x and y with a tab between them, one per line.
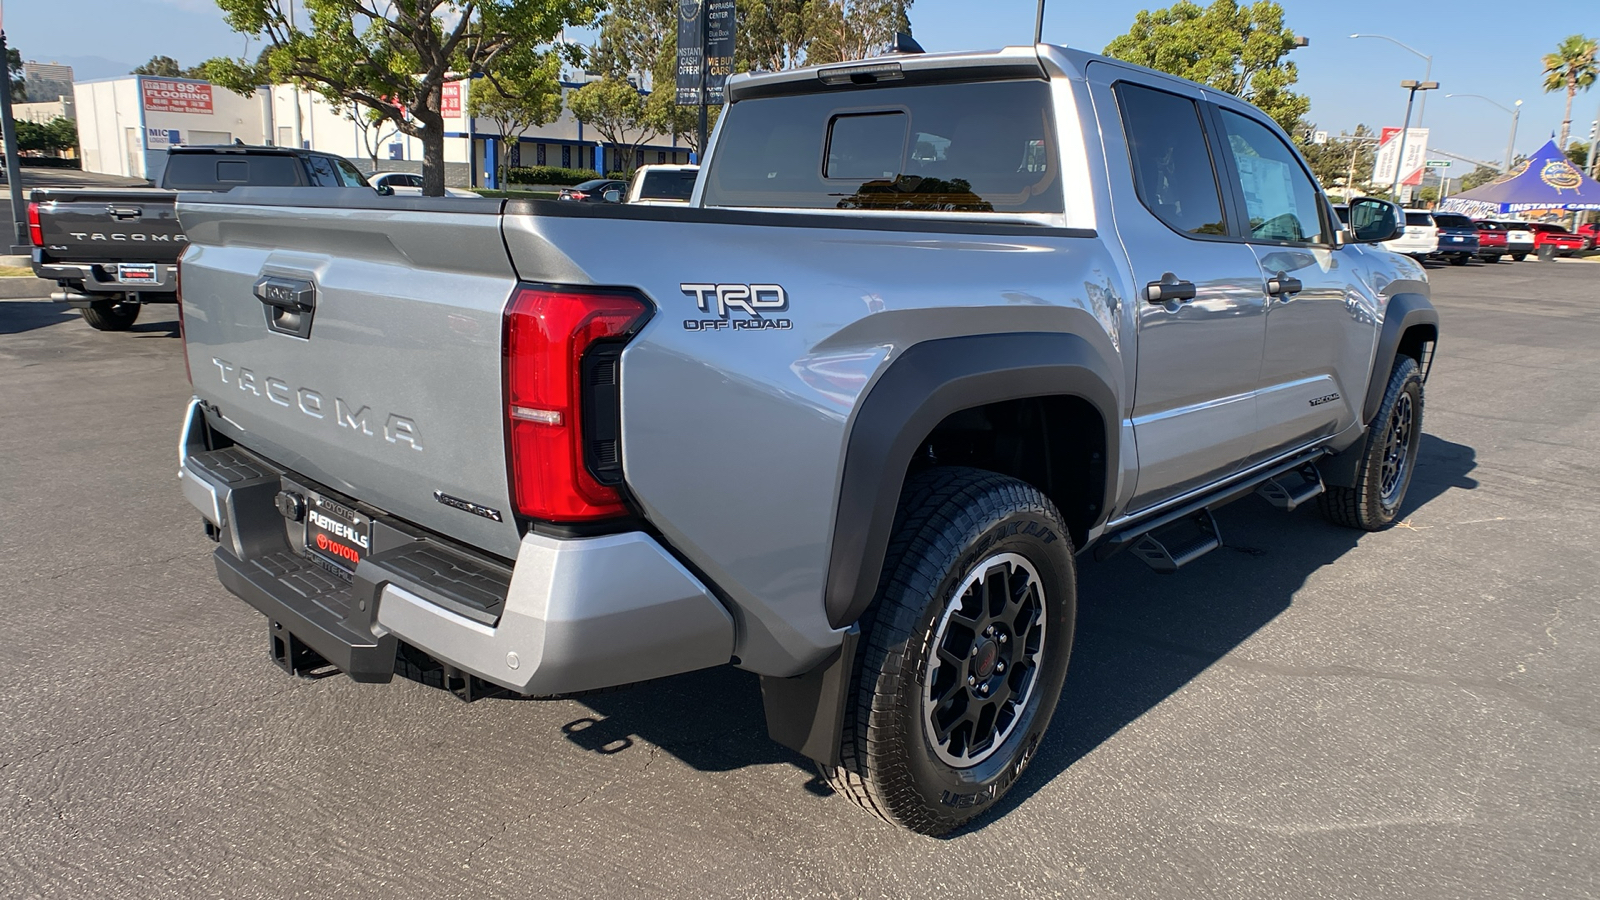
1574	65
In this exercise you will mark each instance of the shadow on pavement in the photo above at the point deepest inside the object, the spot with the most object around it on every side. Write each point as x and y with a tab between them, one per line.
18	316
1140	638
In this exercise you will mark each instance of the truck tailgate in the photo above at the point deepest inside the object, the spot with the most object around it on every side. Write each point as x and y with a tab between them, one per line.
394	390
129	225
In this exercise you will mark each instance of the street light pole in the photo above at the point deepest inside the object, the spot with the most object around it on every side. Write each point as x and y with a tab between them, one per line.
1400	157
18	242
1425	75
1511	143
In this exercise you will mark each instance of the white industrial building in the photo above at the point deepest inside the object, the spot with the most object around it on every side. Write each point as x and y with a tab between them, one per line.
126	125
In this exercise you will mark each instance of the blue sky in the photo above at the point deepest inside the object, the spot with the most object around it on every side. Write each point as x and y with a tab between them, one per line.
1478	47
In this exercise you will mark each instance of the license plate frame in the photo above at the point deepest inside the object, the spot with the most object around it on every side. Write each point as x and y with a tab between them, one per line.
335	533
137	273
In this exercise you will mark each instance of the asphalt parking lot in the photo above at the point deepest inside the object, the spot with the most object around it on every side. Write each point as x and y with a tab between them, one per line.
1310	712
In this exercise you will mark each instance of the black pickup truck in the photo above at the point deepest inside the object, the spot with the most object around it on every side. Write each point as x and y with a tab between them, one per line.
112	250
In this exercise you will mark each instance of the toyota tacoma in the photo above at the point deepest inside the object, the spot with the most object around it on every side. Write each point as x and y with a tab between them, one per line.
934	330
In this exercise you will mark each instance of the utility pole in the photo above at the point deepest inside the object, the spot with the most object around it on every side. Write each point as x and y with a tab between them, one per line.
18	243
705	40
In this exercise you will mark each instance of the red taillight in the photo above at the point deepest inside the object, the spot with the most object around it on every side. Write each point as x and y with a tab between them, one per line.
547	335
183	335
35	230
578	195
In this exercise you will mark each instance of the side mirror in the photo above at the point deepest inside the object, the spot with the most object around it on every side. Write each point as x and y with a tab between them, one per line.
1373	221
612	196
384	190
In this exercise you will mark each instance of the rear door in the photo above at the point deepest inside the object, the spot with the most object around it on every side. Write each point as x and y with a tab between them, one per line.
365	357
1202	313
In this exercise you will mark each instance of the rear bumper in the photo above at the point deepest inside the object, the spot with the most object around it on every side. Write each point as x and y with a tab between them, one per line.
569	615
101	278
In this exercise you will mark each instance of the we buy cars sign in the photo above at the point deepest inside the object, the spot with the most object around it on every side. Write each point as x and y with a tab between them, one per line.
176	96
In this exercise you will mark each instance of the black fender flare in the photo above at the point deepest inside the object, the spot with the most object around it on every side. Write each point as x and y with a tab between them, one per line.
1402	313
931	380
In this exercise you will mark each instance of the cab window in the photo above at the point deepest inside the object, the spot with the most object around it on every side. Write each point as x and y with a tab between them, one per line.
1280	199
1172	169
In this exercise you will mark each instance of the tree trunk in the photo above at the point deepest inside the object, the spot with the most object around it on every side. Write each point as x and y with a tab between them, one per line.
1566	122
432	152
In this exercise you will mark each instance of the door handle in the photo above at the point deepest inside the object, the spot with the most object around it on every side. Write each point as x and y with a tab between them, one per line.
124	212
1169	288
1281	285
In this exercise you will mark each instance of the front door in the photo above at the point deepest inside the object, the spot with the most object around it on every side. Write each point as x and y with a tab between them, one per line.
1320	328
1202	301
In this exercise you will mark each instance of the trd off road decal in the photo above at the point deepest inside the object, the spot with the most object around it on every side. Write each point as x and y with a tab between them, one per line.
726	299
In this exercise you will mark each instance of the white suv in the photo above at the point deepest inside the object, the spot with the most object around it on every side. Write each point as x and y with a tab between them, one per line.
1421	239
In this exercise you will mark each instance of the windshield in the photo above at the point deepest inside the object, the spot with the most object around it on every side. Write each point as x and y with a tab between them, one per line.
1451	220
668	184
1418	218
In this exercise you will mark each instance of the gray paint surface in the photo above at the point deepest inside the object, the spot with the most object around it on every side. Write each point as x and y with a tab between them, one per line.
1309	713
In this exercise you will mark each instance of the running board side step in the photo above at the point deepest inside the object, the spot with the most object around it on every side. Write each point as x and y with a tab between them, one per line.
1291	489
1173	546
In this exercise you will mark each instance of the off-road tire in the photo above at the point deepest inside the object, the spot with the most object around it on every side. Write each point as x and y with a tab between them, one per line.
110	315
951	523
1367	505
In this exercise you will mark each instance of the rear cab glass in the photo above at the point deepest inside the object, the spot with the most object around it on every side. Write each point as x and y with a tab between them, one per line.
1452	220
1418	218
987	147
221	171
668	185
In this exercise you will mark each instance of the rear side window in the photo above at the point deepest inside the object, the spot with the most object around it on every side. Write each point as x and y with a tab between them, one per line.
219	172
987	147
668	185
1451	220
1171	163
1418	218
323	173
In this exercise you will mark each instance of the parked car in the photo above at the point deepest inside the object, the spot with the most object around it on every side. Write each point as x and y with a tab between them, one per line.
1421	237
1591	234
595	190
828	446
1458	237
1519	239
663	185
1565	242
112	250
1491	241
410	184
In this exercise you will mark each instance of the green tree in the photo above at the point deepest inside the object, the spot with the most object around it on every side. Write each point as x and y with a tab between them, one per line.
164	66
1478	177
1238	49
1572	67
1578	153
394	57
614	108
639	40
19	82
54	136
855	29
534	101
1342	162
774	34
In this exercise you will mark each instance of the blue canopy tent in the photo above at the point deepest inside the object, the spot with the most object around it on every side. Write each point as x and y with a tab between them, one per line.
1545	180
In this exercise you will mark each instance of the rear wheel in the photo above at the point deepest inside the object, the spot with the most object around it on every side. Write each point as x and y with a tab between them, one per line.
1491	258
110	315
963	652
1388	457
1519	257
1459	260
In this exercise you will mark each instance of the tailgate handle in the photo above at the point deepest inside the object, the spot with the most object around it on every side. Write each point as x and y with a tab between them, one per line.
124	212
289	304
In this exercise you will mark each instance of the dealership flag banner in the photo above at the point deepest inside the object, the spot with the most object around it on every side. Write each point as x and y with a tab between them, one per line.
1412	167
705	49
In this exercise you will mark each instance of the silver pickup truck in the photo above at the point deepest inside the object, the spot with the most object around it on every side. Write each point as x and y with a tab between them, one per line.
933	331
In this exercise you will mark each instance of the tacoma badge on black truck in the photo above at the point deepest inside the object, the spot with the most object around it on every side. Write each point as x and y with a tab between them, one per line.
934	330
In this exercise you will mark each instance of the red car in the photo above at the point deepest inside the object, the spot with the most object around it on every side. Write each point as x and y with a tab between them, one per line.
1491	241
1591	234
1565	242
